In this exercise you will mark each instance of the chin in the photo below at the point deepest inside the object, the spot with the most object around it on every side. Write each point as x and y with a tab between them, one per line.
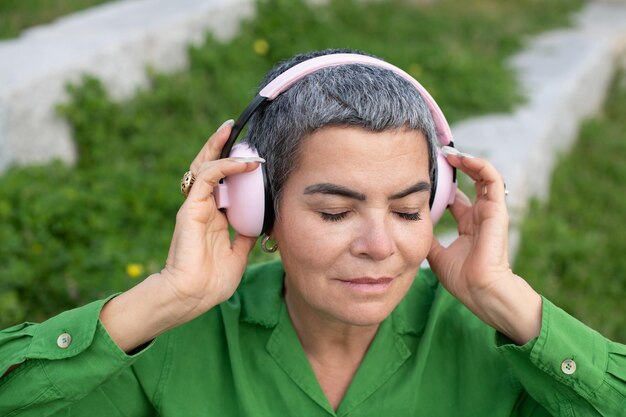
369	309
363	315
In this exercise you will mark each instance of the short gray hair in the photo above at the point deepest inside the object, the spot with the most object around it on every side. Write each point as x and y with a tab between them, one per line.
354	95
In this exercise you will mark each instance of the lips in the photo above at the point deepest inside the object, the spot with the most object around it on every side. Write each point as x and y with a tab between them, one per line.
368	281
367	284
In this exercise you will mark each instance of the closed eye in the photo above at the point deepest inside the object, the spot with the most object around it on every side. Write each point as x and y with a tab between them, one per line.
410	216
333	217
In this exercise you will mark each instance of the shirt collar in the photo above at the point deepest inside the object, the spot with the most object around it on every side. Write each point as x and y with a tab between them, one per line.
261	293
411	315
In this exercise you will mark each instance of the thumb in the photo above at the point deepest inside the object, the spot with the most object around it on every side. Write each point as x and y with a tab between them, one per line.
242	245
435	251
435	255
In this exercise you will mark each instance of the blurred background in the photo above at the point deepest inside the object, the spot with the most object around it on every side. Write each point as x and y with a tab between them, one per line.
72	233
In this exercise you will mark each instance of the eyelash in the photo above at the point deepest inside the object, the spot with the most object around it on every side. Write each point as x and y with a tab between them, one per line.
335	217
410	216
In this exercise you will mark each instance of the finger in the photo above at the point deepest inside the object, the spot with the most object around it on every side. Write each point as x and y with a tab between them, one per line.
489	183
211	172
213	147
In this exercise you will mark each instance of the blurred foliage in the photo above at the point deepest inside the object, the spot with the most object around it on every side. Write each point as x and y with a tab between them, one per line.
17	15
573	246
72	234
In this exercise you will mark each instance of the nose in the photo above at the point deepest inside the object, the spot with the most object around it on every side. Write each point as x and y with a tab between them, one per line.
374	239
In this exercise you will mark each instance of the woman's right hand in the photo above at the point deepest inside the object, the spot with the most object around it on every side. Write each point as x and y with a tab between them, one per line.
203	266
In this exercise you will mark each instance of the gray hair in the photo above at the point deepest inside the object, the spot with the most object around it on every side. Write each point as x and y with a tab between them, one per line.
354	95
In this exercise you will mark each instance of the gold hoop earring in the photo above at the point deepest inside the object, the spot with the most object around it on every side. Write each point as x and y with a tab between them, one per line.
264	247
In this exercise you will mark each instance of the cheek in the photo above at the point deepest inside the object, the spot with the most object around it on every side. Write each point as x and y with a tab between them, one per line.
308	258
414	242
304	240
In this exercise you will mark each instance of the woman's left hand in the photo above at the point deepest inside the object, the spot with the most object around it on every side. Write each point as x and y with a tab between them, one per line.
475	267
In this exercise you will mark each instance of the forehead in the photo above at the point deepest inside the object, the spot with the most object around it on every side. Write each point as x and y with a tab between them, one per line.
350	154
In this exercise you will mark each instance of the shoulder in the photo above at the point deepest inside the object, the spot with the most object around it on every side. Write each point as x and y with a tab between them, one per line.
259	297
258	300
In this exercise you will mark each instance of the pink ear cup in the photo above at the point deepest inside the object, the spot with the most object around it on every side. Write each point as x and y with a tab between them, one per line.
243	196
446	188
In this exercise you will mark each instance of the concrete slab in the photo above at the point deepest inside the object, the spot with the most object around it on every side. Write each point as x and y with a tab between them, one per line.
565	75
115	42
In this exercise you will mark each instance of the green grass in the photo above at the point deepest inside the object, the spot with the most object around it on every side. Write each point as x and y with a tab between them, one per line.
17	15
70	235
573	246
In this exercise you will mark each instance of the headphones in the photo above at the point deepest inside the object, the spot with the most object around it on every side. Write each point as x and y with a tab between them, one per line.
247	197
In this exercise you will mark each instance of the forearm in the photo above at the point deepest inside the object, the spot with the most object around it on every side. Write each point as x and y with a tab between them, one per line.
145	311
512	307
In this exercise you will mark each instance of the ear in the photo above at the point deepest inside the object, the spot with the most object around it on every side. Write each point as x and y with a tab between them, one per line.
243	196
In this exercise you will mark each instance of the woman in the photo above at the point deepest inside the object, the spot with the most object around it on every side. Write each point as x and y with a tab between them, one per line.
346	322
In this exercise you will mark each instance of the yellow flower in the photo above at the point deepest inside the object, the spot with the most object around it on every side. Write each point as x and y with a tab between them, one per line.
134	270
261	46
415	70
36	248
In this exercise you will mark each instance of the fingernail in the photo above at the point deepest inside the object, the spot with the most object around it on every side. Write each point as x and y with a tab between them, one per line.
465	155
246	159
449	150
228	122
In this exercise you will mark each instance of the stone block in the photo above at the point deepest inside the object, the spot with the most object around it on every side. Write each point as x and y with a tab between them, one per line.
565	75
114	42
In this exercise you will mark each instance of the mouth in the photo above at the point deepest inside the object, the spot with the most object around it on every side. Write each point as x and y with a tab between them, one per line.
367	284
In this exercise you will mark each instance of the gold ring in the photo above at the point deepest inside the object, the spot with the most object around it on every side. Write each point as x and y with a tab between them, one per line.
186	183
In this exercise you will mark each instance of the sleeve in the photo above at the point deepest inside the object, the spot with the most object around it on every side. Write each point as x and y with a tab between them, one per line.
61	361
569	369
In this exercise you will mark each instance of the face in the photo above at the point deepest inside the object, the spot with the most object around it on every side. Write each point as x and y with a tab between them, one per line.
354	223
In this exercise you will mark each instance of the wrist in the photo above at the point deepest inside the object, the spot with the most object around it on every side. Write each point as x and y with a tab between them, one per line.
183	303
513	308
142	313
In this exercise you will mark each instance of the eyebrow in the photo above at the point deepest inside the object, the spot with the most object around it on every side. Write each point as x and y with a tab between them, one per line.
415	188
334	189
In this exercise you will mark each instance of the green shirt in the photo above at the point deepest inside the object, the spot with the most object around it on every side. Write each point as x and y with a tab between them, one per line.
431	357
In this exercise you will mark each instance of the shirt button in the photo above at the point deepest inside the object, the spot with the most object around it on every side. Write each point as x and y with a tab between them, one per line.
64	340
568	366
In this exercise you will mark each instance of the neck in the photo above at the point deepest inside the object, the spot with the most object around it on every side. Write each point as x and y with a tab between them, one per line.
335	349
